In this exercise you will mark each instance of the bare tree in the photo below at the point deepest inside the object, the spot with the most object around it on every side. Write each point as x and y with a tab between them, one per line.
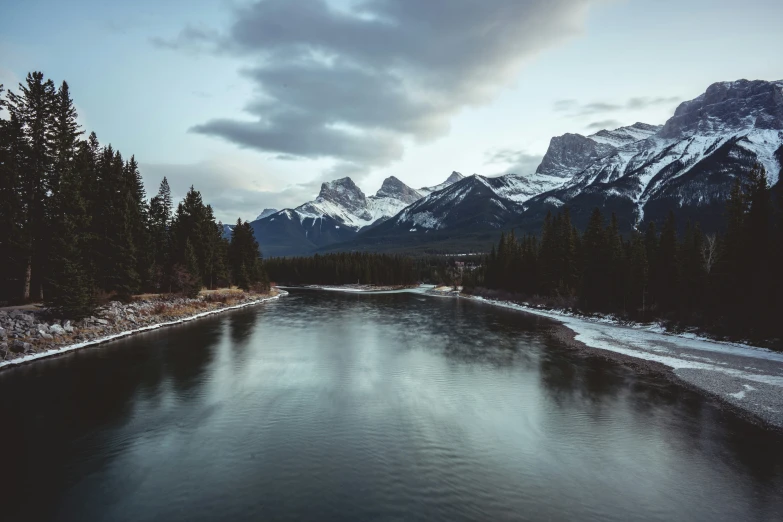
709	252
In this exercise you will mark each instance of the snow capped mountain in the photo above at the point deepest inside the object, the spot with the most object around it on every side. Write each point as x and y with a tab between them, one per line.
341	200
639	172
393	196
453	178
338	213
690	163
625	135
266	212
395	189
475	202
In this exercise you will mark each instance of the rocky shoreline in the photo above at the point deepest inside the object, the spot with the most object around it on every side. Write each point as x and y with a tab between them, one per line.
29	334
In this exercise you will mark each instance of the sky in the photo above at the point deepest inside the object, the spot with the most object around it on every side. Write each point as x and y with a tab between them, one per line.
257	102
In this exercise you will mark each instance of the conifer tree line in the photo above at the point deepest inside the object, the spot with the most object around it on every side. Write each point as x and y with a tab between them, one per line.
343	268
730	283
75	221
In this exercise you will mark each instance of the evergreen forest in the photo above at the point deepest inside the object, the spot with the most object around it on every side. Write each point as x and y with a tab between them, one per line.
76	225
730	283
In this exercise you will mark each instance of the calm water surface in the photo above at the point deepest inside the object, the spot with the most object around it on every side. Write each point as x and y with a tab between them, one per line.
369	407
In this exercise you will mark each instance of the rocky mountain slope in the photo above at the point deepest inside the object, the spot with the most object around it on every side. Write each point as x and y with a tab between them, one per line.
689	164
479	202
453	178
339	212
266	212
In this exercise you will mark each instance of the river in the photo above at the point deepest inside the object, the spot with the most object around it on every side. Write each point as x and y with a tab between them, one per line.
327	406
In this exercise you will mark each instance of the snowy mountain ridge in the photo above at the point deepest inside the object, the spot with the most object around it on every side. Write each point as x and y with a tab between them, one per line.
339	212
691	161
639	172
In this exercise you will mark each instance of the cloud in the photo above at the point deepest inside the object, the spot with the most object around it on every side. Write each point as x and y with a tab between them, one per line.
646	102
604	124
190	38
517	161
356	84
575	108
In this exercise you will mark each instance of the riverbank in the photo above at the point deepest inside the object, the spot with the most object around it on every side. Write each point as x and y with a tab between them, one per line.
25	334
747	379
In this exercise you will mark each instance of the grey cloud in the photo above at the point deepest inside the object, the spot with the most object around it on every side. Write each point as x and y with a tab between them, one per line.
604	124
643	103
354	84
594	107
190	38
518	161
301	135
575	108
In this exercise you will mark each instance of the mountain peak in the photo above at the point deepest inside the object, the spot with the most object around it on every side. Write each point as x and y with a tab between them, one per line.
267	212
570	153
342	185
345	193
625	135
394	188
729	107
455	177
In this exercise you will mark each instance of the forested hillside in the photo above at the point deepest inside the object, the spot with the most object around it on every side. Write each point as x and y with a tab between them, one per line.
346	268
75	222
731	283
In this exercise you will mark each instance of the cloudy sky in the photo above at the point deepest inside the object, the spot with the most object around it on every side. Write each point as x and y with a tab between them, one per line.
257	102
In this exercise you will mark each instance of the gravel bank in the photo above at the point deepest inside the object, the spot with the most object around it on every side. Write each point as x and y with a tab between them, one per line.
25	335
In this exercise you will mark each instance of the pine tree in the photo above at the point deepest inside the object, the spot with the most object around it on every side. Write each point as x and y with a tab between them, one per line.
139	217
759	252
638	273
70	284
14	247
667	266
595	261
65	134
730	270
615	264
159	227
245	258
32	107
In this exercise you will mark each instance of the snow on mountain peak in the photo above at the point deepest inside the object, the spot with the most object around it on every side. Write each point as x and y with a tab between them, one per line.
728	107
453	178
625	135
267	212
396	189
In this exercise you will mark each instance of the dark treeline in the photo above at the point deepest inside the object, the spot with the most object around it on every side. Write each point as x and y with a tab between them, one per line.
343	268
75	222
730	283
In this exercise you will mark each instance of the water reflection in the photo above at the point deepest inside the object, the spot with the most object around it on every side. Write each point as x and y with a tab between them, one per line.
337	407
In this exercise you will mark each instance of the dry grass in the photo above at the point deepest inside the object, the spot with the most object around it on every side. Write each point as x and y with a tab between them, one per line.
159	309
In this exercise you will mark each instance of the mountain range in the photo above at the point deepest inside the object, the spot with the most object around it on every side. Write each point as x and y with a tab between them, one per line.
639	172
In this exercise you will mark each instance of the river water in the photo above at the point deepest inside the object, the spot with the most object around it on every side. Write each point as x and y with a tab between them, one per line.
326	406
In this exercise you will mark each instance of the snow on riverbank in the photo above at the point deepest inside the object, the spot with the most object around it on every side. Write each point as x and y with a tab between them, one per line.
747	377
76	346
